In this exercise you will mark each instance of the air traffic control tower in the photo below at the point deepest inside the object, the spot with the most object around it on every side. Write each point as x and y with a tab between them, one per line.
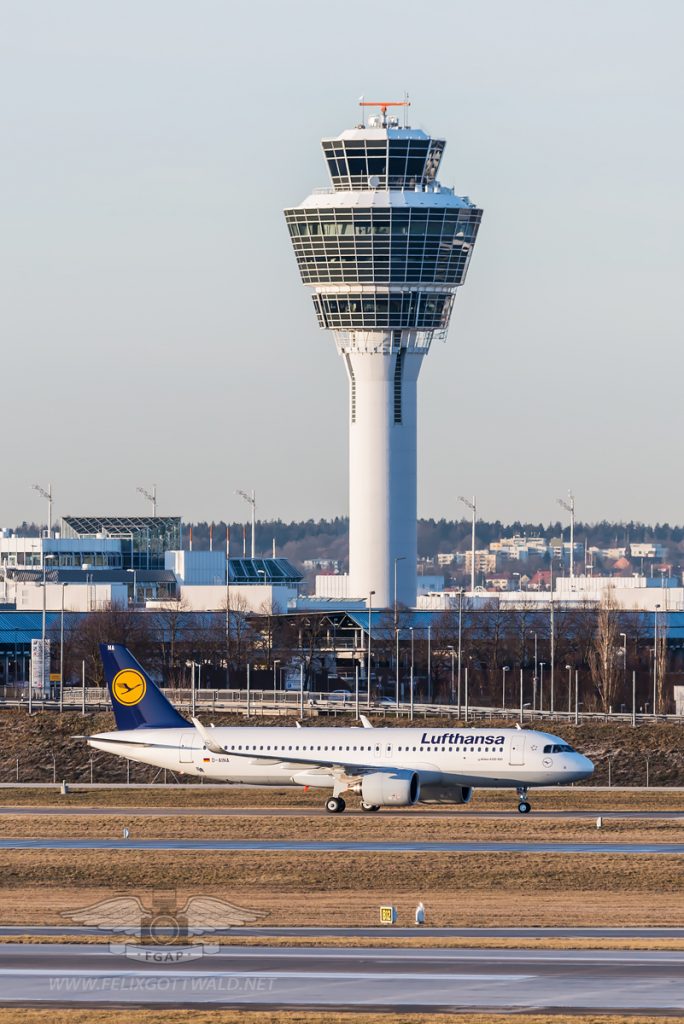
384	249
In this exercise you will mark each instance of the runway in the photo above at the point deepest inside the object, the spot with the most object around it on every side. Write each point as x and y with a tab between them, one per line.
408	980
320	812
338	846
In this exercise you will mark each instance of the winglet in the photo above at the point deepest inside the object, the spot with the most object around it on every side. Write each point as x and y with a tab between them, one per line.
365	722
206	737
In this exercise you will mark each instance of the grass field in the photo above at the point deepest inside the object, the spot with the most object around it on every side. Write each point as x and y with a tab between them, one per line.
395	827
200	1016
487	890
558	799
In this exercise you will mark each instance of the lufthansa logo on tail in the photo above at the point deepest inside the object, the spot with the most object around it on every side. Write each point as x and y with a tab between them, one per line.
129	687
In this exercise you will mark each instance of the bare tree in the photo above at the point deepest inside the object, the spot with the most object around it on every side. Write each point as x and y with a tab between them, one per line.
604	653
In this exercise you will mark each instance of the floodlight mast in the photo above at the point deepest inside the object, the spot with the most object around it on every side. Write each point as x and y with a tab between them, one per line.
385	249
569	506
48	497
472	505
251	500
151	496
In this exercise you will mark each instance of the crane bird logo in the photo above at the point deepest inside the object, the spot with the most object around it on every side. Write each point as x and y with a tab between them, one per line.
164	930
129	687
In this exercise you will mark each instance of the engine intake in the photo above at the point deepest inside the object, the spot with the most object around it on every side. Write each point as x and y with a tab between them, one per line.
396	788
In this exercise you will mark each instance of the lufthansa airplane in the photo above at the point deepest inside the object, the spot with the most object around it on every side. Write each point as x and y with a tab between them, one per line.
385	767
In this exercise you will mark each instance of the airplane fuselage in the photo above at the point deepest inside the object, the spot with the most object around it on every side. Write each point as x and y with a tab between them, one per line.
444	759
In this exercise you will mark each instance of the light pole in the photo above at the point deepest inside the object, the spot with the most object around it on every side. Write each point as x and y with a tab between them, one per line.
411	677
472	505
276	662
399	558
552	639
460	631
135	584
368	668
504	670
569	506
251	500
536	669
655	660
453	654
623	637
61	655
569	669
541	685
396	679
429	664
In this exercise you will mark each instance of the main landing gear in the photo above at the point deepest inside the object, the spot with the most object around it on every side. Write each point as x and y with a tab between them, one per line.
335	805
524	807
369	807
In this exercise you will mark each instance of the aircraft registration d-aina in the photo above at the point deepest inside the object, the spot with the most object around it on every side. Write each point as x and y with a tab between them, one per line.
385	767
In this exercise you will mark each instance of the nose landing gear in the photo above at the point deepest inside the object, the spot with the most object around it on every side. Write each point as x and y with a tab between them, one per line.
524	807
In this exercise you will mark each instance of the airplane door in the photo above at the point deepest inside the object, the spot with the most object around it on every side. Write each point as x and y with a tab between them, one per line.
518	749
186	746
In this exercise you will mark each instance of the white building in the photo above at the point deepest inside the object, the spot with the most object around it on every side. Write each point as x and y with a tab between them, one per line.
385	250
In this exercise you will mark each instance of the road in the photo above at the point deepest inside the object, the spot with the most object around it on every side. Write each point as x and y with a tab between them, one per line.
339	846
409	980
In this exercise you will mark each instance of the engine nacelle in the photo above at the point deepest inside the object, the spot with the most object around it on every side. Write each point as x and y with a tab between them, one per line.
394	788
446	795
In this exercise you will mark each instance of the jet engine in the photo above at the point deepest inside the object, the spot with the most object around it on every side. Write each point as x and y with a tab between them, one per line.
396	788
446	795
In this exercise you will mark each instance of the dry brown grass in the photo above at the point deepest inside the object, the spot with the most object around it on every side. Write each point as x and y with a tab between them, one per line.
201	1016
299	889
567	799
339	827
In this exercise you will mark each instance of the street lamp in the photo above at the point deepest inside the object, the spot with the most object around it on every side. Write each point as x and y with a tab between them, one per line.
569	670
411	677
399	558
460	627
569	506
541	685
504	670
655	660
276	662
453	654
472	505
368	669
135	584
623	637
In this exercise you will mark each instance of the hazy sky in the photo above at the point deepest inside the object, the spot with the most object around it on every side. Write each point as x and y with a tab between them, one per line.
154	326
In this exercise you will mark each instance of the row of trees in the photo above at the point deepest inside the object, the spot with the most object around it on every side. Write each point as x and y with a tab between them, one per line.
605	645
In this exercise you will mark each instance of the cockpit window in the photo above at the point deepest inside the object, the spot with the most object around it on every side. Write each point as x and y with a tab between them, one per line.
558	748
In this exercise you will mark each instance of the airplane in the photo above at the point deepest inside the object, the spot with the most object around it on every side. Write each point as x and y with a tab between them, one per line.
385	767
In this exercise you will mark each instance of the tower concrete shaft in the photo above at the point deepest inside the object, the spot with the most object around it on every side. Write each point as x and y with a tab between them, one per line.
384	249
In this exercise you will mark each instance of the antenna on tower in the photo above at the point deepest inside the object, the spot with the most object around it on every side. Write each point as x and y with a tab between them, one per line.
48	497
251	500
384	104
151	496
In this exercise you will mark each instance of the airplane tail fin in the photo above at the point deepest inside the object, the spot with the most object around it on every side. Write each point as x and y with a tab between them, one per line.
136	701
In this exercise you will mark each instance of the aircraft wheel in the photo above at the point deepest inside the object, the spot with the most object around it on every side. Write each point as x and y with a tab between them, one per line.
369	807
524	807
335	805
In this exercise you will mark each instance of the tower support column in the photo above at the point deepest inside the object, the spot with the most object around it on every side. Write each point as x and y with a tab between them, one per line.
383	470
